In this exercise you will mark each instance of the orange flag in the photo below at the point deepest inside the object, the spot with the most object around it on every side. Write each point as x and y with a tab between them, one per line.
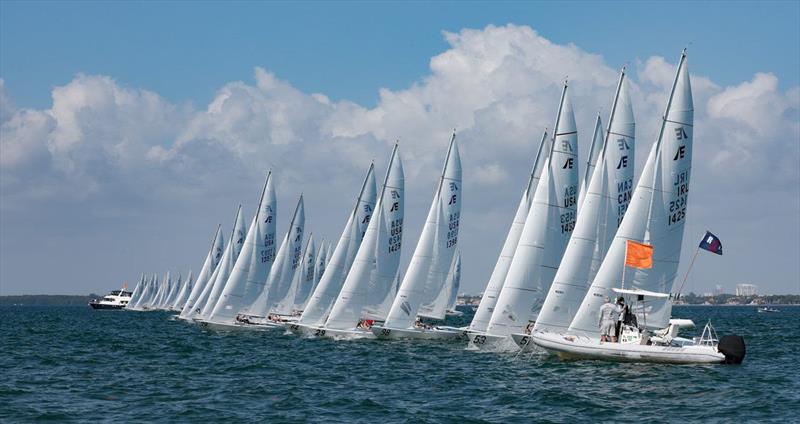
639	255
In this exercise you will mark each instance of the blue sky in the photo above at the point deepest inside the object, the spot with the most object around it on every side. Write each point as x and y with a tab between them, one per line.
129	130
349	50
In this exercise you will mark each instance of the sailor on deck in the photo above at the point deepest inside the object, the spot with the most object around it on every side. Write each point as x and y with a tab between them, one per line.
609	313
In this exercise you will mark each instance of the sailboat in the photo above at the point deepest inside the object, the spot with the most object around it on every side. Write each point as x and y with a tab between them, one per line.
287	260
136	293
209	265
433	258
180	299
605	201
655	218
341	260
249	275
319	270
306	277
302	280
374	271
544	237
444	303
222	269
498	277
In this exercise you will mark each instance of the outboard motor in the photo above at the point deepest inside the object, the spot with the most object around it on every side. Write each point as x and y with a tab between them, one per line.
733	348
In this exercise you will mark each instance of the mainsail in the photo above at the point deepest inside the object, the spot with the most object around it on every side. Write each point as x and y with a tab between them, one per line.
489	299
209	265
249	275
438	242
656	216
286	262
547	229
375	267
605	202
340	261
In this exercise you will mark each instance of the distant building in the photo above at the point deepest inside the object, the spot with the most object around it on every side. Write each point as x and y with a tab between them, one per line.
718	290
746	289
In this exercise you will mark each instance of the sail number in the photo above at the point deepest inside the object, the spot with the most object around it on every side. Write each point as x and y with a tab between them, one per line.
567	222
268	254
396	235
452	229
677	207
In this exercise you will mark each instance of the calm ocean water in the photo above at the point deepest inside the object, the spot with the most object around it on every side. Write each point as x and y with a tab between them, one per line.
75	364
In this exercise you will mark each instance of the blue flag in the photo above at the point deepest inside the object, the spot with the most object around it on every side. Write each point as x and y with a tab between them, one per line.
711	243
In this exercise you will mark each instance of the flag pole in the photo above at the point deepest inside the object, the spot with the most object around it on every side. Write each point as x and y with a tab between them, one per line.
624	265
686	276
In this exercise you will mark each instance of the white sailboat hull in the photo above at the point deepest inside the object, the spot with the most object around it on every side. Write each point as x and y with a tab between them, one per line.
435	333
573	347
492	342
240	326
329	333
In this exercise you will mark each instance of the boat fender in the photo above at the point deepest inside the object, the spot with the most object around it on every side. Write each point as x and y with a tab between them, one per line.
733	348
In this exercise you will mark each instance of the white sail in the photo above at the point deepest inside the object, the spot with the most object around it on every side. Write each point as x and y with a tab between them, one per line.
249	275
604	206
303	279
446	299
196	309
286	262
342	257
166	285
319	269
375	267
136	293
656	216
455	285
180	299
215	285
489	299
591	161
209	265
176	288
546	232
438	242
139	303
